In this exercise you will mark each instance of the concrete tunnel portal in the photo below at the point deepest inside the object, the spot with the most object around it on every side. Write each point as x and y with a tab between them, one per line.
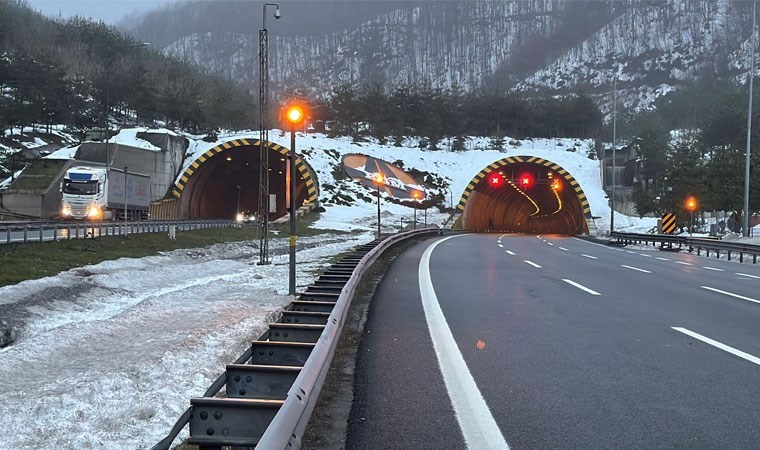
525	194
214	183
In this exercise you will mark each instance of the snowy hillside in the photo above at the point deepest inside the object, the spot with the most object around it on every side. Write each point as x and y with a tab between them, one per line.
555	46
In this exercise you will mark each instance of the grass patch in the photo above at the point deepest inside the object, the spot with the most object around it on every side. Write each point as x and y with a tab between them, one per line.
38	175
19	262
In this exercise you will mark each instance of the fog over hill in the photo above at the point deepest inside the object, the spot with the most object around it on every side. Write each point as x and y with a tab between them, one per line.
557	46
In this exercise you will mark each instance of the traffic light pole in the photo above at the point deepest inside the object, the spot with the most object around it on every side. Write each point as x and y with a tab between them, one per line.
292	277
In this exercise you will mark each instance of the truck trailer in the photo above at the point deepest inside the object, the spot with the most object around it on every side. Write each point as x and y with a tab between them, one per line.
100	193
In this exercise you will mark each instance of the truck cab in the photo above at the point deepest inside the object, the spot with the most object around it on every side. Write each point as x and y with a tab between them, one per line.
84	194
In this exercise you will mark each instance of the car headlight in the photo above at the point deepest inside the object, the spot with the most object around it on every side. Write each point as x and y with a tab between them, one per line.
93	212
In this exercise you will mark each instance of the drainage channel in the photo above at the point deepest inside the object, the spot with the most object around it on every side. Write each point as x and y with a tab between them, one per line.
259	381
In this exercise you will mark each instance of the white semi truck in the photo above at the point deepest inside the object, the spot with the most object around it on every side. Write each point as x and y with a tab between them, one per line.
99	193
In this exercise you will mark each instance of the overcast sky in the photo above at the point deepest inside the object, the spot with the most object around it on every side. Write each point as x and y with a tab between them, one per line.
110	11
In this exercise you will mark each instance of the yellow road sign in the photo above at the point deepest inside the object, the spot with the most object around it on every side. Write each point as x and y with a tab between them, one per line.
669	223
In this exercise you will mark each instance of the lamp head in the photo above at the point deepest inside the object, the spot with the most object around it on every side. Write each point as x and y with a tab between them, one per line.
277	14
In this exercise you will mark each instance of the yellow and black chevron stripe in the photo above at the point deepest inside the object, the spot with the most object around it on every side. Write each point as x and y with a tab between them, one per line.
301	165
526	159
669	223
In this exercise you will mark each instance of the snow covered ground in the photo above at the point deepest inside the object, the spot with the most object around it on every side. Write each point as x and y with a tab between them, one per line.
108	355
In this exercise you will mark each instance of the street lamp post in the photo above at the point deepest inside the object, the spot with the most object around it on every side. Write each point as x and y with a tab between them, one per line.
295	116
379	179
237	213
125	201
745	221
691	205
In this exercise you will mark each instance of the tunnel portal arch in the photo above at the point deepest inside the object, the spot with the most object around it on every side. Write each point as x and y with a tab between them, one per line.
554	202
225	180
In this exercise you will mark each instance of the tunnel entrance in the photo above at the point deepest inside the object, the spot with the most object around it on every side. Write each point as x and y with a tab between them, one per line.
525	195
224	181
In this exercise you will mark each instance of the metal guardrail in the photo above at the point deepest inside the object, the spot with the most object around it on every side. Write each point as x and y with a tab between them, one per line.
286	428
25	232
699	244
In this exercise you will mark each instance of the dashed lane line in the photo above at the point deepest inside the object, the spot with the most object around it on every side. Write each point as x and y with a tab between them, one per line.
588	256
713	269
635	268
510	252
563	249
747	275
683	263
731	294
661	258
580	286
531	263
645	255
716	344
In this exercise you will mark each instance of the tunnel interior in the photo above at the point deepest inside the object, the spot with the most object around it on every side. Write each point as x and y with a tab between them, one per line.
525	197
228	183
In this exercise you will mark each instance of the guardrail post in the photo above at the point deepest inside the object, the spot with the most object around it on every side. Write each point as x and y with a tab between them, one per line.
729	255
741	256
42	230
77	235
25	232
55	232
8	235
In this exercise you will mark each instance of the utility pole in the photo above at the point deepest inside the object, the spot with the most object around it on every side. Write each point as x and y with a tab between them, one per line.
745	221
264	135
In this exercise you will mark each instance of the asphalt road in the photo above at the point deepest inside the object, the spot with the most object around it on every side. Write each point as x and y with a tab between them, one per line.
567	344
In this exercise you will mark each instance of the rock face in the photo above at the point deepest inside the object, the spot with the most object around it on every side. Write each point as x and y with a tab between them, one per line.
7	333
651	47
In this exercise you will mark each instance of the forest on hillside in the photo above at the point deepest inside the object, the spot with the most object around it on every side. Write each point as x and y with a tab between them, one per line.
70	72
693	144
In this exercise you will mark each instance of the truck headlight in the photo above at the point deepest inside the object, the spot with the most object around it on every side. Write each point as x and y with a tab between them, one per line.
239	218
93	212
66	210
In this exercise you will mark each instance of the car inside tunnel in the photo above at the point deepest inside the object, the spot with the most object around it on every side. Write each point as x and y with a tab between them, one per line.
228	183
525	198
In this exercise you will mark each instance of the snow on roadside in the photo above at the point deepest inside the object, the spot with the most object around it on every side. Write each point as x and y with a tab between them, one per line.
108	355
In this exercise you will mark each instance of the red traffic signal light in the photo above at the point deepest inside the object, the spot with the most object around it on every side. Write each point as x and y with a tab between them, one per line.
526	180
495	180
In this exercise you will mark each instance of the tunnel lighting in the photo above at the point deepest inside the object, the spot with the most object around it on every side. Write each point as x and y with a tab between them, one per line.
550	174
495	180
556	185
416	195
229	158
379	178
691	203
526	180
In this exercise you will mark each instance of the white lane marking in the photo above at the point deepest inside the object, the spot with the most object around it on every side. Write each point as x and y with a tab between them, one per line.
531	263
511	253
580	286
635	268
550	243
478	426
628	251
747	275
713	268
661	258
588	256
730	294
684	263
499	244
716	344
645	255
563	249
